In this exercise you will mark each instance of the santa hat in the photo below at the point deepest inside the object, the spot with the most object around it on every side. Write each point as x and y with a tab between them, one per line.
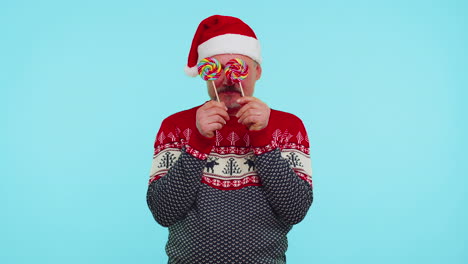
221	35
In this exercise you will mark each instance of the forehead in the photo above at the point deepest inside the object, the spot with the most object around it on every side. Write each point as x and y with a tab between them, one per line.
223	58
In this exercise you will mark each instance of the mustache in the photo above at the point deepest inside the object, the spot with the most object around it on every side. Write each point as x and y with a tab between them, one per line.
228	88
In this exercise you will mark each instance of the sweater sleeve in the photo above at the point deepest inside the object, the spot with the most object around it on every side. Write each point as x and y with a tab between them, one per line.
170	197
175	175
284	167
289	195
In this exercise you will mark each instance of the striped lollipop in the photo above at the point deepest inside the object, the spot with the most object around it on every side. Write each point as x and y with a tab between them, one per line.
210	70
237	70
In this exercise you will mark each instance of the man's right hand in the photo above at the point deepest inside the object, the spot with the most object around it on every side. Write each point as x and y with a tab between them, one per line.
210	117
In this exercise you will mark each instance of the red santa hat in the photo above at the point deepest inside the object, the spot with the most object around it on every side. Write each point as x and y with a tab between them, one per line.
222	35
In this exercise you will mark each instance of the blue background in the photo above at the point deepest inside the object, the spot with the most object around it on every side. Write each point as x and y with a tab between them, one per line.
380	85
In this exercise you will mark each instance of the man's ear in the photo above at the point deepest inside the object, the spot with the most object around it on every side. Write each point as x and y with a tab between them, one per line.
259	70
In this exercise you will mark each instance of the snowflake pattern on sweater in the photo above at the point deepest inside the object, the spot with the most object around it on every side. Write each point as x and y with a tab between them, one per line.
232	198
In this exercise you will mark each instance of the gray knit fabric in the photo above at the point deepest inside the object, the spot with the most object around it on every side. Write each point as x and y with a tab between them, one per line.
247	225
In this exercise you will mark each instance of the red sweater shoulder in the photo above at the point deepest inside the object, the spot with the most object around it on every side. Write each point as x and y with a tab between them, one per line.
285	119
183	117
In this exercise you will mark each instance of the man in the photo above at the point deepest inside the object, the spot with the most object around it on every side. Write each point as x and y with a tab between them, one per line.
229	178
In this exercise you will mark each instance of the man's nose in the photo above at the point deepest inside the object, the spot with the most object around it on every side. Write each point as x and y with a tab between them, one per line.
224	80
228	81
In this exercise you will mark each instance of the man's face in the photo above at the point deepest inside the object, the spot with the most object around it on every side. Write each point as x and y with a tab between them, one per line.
228	91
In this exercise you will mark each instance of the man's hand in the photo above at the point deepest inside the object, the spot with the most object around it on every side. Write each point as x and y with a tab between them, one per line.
254	113
210	117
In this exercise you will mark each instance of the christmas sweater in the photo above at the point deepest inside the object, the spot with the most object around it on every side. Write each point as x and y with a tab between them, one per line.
234	197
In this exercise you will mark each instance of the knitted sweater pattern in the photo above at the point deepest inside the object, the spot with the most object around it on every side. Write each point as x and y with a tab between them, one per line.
234	197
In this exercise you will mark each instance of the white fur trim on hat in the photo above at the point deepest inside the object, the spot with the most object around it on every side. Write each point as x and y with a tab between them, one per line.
227	44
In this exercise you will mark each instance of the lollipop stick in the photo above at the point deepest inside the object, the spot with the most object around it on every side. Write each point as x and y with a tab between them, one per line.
242	90
216	91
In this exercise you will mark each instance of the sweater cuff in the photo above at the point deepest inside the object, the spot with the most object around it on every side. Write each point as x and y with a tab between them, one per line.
262	140
200	146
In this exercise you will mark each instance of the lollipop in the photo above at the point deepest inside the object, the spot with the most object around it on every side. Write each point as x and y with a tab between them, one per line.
210	70
237	70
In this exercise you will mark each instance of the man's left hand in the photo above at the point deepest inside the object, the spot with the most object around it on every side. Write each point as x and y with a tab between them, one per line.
254	113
